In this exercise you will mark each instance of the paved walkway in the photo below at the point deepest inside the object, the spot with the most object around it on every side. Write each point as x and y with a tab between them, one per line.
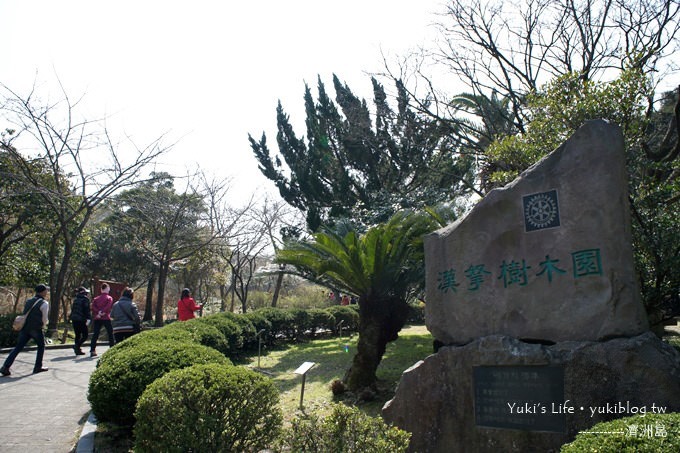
45	412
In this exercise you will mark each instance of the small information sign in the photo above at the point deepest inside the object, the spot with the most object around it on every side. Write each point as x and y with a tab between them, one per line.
302	369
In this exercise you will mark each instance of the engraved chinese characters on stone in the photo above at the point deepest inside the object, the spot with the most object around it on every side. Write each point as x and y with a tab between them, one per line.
555	241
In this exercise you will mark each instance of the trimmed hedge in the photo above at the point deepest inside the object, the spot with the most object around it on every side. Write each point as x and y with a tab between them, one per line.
148	336
648	433
229	329
120	379
248	330
345	313
208	408
346	429
260	322
282	321
301	323
320	319
206	334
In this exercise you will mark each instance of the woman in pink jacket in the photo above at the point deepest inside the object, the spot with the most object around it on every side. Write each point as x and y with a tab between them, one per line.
187	306
101	313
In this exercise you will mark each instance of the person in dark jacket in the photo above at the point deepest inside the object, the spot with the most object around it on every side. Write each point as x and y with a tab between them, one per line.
37	309
126	320
80	318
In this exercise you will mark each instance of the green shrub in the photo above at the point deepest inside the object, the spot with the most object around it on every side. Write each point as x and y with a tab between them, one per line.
347	314
281	321
8	337
229	329
416	313
116	384
346	429
673	340
208	408
301	323
260	322
321	319
649	433
148	336
248	331
204	333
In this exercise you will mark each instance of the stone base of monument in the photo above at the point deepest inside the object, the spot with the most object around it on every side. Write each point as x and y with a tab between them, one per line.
500	394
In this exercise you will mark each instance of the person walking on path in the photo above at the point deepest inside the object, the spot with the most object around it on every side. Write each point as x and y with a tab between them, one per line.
101	313
80	318
126	320
186	306
36	320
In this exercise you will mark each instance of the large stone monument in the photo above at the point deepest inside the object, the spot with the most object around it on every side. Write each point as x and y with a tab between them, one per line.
533	295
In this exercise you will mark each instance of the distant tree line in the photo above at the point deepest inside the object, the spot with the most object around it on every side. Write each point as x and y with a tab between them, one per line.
75	204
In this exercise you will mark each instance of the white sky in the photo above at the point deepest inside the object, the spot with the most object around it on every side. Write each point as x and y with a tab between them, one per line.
209	72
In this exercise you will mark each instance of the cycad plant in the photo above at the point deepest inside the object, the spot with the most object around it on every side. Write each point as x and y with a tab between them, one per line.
384	267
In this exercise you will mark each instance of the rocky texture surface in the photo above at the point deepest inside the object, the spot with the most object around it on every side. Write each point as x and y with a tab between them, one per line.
547	257
435	399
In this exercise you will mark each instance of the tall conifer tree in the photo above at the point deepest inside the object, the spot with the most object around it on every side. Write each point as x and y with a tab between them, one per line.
352	166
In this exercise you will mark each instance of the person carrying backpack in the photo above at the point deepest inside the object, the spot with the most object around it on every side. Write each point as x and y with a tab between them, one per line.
36	310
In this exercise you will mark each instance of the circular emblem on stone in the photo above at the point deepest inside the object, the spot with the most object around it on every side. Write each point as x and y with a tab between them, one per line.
541	210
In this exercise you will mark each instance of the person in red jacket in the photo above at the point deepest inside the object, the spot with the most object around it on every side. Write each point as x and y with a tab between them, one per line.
187	306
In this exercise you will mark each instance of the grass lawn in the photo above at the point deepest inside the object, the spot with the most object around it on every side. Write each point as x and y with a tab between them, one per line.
333	357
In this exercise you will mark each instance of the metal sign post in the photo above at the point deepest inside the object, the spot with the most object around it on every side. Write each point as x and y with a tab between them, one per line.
339	327
259	346
302	370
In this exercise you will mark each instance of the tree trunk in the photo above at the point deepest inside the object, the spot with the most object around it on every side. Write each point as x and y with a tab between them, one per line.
223	297
277	288
16	301
57	292
148	309
162	279
380	321
52	282
233	292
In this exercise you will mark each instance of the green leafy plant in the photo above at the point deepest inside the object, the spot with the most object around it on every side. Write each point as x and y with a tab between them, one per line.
348	315
301	323
229	329
345	430
208	408
117	382
281	321
260	323
147	336
382	266
248	330
674	341
321	319
204	333
417	313
8	337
